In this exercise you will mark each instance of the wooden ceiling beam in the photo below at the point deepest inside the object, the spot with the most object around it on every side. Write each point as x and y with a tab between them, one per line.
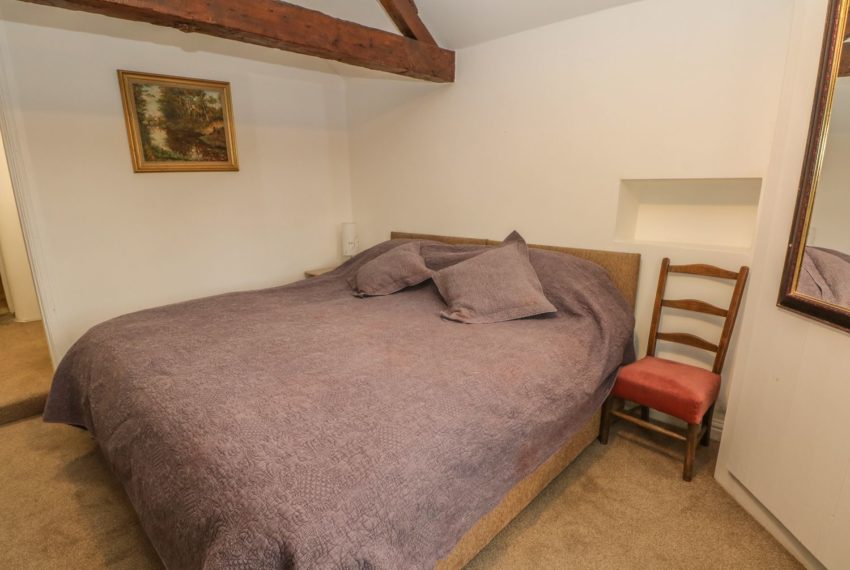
276	24
405	16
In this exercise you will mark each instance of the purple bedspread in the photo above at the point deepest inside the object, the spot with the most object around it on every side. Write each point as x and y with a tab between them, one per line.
825	275
302	427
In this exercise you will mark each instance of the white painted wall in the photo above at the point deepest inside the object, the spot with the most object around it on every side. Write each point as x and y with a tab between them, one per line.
541	127
15	270
785	444
108	241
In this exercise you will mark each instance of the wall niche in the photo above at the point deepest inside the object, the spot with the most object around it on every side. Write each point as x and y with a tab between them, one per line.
715	213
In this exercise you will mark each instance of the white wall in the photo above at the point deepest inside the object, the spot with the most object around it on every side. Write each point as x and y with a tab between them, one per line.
541	127
15	270
785	443
107	241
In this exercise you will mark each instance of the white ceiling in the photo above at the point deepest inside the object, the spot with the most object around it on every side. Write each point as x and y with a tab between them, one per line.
461	23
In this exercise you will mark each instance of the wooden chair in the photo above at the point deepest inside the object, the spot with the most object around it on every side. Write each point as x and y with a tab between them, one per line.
680	390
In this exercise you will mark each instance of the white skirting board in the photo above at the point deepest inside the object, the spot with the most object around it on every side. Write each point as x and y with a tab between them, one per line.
717	426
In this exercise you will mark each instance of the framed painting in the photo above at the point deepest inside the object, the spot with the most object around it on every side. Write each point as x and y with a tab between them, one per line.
177	124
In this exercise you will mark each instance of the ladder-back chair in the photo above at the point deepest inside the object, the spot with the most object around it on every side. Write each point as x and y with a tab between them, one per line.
677	389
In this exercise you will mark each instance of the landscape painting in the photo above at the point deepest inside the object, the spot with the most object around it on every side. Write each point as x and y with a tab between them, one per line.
178	124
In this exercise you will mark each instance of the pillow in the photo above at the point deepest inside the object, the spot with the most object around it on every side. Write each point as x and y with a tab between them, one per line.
438	256
391	271
497	285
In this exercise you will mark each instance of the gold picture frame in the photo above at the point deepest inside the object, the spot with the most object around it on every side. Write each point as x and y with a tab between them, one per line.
178	124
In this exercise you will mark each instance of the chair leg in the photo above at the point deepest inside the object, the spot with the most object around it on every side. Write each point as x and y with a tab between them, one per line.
691	451
605	424
707	421
644	413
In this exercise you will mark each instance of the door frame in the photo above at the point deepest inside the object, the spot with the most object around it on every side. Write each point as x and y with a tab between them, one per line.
14	141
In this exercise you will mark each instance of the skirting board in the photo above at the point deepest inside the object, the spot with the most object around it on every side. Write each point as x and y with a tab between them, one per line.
717	426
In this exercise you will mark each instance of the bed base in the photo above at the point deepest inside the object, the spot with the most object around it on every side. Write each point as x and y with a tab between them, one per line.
519	497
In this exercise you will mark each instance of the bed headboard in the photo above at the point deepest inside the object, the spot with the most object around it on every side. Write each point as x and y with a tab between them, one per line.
622	267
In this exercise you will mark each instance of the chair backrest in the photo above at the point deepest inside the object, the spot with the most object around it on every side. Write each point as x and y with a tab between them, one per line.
729	314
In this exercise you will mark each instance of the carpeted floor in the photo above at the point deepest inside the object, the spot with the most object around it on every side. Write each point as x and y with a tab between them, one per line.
618	506
62	507
25	369
625	505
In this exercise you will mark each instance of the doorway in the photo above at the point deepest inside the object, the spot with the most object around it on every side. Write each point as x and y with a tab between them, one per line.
25	365
4	306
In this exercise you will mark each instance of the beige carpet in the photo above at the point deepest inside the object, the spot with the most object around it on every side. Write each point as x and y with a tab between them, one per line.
625	505
618	506
62	508
25	369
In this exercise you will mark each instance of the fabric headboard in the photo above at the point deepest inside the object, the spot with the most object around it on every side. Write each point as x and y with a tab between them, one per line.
623	268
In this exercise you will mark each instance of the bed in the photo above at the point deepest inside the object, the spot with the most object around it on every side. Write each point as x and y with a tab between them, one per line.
300	426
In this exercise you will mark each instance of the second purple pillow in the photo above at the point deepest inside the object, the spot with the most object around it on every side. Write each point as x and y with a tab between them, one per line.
494	286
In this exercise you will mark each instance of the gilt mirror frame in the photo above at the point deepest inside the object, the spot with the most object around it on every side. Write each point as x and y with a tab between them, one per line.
828	73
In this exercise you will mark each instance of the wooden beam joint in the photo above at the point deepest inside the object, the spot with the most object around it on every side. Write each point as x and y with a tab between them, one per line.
405	16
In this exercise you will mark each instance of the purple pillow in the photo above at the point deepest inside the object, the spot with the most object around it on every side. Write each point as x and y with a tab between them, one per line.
392	271
494	286
438	256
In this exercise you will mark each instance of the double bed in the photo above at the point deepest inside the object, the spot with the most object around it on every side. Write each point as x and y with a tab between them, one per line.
303	427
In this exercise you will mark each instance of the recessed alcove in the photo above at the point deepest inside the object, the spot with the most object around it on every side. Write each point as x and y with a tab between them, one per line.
704	212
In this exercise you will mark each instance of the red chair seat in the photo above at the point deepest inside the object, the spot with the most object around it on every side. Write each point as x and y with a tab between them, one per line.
677	389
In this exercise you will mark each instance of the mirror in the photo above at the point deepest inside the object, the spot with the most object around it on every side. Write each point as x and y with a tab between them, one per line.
816	280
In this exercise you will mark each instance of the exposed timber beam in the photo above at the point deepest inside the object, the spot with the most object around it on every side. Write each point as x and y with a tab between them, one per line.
276	24
405	16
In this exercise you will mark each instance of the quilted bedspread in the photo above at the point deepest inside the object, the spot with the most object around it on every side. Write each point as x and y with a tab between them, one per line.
303	427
